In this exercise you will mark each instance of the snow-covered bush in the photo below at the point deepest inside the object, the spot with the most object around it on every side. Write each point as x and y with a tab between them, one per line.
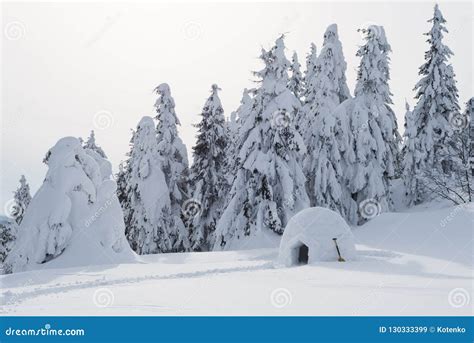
455	183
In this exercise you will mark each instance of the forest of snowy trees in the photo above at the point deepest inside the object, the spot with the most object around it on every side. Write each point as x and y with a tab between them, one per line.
298	139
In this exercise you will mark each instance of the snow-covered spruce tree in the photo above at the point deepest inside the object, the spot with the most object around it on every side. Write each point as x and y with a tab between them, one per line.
22	198
208	173
148	213
174	165
470	112
410	156
322	164
369	138
99	156
121	179
307	97
238	118
456	182
296	79
311	60
437	96
91	144
234	124
8	230
269	186
75	216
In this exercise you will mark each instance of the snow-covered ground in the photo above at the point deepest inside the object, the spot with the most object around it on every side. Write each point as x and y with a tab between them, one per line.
409	263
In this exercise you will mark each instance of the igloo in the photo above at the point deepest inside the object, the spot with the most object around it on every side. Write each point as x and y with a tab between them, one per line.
309	237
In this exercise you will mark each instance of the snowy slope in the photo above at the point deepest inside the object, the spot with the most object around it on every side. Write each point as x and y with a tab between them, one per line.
416	263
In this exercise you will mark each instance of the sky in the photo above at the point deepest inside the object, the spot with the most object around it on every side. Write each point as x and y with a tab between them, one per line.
68	68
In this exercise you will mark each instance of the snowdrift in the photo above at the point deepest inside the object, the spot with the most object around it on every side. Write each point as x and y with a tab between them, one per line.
416	263
309	235
75	218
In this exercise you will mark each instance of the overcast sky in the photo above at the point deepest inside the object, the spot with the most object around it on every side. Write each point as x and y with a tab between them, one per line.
70	68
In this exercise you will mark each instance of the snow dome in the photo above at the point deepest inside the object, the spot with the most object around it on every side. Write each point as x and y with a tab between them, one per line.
309	237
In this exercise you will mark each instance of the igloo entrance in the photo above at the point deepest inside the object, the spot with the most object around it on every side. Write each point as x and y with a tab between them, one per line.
303	254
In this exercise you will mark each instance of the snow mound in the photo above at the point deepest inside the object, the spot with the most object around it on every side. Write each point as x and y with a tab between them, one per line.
308	238
75	218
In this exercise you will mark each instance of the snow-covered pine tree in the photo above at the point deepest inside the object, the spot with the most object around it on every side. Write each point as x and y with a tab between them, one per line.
8	230
148	214
456	183
301	121
437	96
296	79
98	154
91	144
174	164
269	186
410	155
121	179
238	118
311	60
208	180
322	164
22	198
470	115
460	151
369	138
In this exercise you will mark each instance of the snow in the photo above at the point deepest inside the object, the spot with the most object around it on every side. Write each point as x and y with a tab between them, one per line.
316	227
408	264
75	218
269	185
